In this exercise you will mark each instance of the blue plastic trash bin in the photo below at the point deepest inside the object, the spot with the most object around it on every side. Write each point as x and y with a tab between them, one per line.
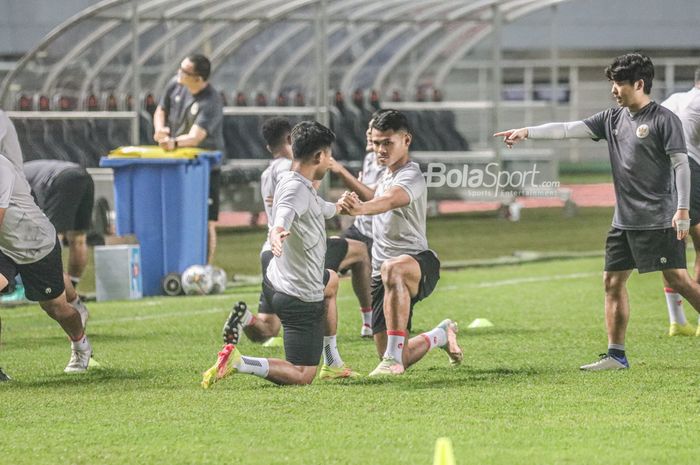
164	203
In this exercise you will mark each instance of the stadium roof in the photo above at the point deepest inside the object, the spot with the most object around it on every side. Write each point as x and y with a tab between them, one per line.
271	46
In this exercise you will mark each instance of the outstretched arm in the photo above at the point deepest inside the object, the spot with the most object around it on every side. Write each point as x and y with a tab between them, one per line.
571	130
395	197
351	182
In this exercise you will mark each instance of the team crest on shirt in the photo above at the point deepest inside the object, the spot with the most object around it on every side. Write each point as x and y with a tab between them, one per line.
194	109
642	131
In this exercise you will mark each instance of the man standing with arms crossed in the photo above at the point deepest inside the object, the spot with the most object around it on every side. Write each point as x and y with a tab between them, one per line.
647	153
190	114
404	270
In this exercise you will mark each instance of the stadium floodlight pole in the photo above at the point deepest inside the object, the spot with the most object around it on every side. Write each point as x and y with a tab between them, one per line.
554	59
321	28
136	73
497	20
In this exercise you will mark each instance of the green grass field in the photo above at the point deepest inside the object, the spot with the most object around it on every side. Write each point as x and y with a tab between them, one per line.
518	398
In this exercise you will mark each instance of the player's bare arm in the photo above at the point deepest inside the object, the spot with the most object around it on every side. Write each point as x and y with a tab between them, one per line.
351	182
512	136
277	237
396	197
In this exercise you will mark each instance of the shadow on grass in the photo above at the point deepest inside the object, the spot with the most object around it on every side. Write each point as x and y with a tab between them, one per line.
92	377
441	378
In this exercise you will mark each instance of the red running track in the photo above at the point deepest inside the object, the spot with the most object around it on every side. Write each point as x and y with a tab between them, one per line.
584	195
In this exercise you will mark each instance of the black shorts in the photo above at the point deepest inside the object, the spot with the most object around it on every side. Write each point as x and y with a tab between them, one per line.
694	192
69	201
43	280
265	258
353	233
651	250
303	324
429	276
336	250
214	189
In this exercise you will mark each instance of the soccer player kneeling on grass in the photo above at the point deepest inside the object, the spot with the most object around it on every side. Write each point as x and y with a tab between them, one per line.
404	270
29	247
648	156
293	287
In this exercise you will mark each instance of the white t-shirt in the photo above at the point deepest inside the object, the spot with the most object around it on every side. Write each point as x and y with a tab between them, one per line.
401	230
686	105
268	182
26	234
298	209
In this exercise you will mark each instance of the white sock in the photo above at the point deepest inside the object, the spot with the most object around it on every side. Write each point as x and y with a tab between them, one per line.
366	316
394	345
436	337
247	319
81	344
254	366
331	356
674	302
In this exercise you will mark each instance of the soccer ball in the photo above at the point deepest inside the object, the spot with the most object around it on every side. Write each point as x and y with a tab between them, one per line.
219	279
196	280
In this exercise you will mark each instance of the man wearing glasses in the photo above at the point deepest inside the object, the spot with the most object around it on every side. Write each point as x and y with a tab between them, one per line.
190	114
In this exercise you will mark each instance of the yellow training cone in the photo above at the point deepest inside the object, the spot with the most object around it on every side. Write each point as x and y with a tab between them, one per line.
443	452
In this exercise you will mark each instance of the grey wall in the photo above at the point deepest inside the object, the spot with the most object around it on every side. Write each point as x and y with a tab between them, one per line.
23	23
611	24
583	24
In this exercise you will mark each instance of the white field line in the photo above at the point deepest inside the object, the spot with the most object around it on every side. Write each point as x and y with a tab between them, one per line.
511	282
347	296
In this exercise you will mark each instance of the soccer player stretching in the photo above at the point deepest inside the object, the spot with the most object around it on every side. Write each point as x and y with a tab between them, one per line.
404	270
293	287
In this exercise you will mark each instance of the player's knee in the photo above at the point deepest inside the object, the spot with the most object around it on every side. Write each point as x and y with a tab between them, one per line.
331	288
677	279
308	374
393	273
614	283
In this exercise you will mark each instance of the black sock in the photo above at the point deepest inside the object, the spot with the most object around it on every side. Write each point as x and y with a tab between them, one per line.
617	353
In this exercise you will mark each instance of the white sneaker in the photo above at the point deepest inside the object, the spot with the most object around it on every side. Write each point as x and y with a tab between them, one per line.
82	309
80	358
607	362
451	347
366	331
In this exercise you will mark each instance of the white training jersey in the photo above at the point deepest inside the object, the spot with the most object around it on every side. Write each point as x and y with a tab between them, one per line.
26	234
401	230
268	182
371	173
299	270
686	105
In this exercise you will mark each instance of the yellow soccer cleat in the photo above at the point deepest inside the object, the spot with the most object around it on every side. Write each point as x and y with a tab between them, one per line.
229	357
328	373
677	329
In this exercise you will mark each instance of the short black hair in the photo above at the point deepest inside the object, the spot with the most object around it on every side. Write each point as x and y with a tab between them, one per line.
308	137
202	65
275	131
390	120
632	67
